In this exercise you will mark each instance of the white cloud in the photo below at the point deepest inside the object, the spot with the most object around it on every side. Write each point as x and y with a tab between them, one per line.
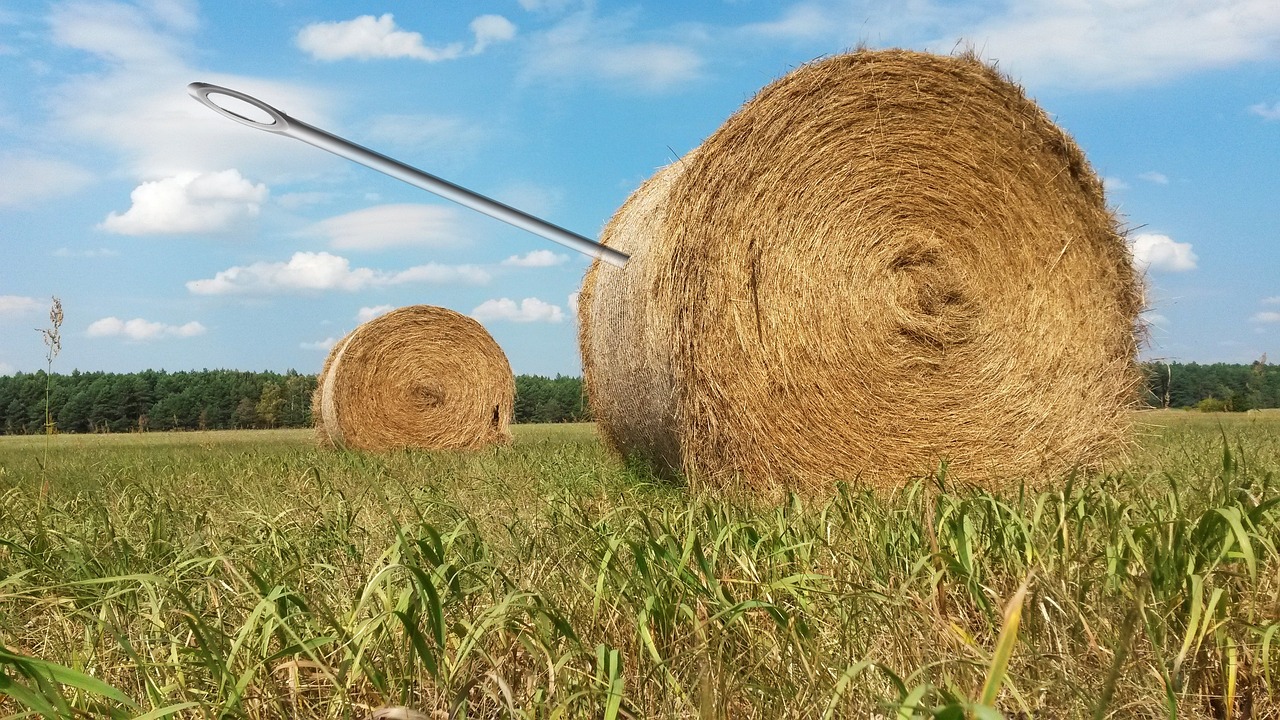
536	258
189	203
573	303
325	345
161	132
803	21
1273	300
489	29
1124	42
529	310
1266	112
307	271
1099	43
1160	252
385	226
1155	177
367	37
437	273
122	33
1114	184
18	305
136	107
365	314
6	369
139	329
303	271
583	47
1268	316
176	14
29	178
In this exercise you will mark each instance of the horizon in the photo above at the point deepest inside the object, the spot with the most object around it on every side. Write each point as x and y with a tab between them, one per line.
178	239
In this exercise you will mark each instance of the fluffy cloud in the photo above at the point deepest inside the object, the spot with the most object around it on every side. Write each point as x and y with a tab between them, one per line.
489	29
1106	43
529	310
1114	184
366	314
139	329
1273	300
189	203
437	273
135	105
29	178
18	305
367	37
119	32
585	47
1268	316
307	271
1266	112
536	258
385	226
1125	42
802	21
1160	252
573	303
324	345
1152	176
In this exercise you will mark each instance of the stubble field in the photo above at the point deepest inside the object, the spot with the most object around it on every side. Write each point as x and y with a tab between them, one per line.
249	574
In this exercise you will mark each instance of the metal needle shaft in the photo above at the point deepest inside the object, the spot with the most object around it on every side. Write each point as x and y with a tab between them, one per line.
282	124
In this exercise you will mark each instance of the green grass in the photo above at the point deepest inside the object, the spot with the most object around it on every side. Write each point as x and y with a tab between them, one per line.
248	574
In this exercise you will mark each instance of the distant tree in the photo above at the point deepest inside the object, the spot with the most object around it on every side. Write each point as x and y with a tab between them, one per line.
270	402
73	416
245	415
1212	404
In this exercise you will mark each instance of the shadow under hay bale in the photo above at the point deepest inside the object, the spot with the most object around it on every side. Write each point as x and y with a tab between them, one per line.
420	377
884	260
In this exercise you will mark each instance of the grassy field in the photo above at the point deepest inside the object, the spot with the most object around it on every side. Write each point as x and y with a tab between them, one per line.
248	574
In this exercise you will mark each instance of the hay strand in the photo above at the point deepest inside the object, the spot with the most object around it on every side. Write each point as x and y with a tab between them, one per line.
421	377
883	261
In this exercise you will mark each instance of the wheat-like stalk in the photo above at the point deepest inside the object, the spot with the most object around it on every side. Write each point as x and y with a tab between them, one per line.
53	342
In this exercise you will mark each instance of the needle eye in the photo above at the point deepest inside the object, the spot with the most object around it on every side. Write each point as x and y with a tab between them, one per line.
244	109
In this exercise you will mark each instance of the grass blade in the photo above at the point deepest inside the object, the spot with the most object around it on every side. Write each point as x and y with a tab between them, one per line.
1004	645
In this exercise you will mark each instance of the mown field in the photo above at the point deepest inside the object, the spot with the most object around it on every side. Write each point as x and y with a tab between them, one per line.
248	574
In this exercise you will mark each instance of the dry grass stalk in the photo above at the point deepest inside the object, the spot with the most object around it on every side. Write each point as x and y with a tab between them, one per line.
420	376
884	260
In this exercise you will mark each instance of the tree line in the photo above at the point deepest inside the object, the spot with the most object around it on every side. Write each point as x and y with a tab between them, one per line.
1213	387
213	400
232	399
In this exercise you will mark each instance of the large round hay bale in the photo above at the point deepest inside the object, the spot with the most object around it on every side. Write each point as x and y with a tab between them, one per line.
883	261
420	377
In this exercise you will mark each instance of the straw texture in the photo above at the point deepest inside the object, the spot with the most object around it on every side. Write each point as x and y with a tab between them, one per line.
883	261
420	376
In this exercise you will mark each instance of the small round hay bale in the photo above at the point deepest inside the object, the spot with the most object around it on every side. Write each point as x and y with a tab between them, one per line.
883	261
421	377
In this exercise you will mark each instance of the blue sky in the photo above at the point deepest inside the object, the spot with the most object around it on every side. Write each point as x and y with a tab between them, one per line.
177	239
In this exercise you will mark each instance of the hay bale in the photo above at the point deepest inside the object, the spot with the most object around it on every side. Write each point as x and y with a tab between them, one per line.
419	376
884	260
